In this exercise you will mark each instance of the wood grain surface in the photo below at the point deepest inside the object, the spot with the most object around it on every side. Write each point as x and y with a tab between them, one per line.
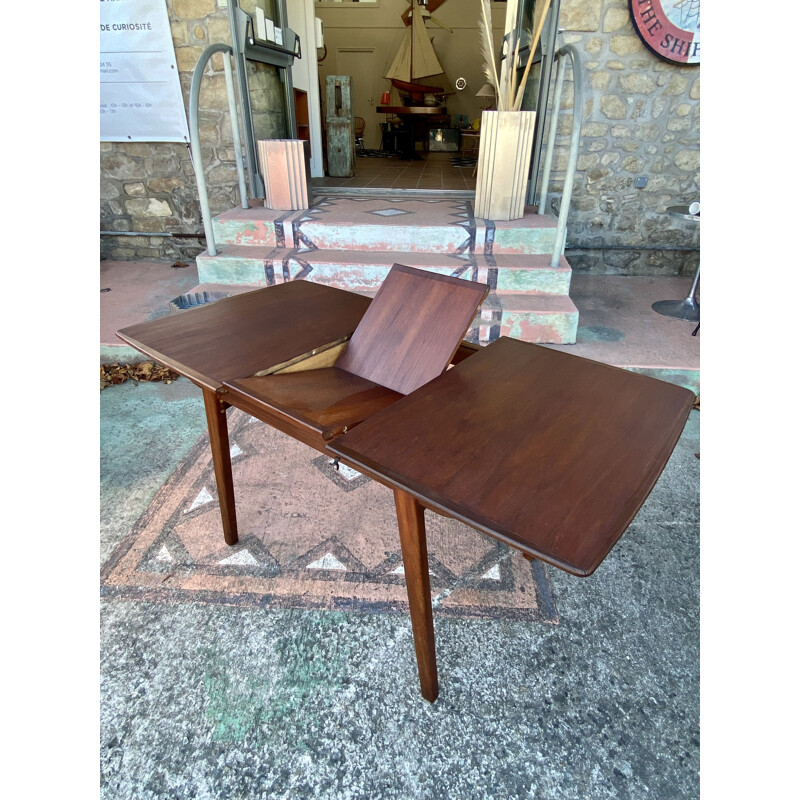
413	328
238	336
549	452
327	400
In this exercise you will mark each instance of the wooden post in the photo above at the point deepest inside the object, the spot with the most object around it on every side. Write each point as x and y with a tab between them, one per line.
221	454
411	524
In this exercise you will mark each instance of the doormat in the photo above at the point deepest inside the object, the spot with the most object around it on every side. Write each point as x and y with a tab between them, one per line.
375	153
463	161
310	537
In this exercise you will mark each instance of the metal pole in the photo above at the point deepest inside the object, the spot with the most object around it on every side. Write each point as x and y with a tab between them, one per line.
194	132
569	179
237	144
551	138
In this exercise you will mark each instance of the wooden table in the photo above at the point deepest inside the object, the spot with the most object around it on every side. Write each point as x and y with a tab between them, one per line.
411	117
548	452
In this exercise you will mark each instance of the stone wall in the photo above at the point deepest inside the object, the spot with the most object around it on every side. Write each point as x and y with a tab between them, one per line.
642	119
149	187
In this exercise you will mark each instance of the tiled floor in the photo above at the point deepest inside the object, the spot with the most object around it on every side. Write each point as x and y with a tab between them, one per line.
432	171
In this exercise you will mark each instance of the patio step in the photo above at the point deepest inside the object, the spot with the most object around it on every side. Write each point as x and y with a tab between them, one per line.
364	271
351	243
541	319
411	225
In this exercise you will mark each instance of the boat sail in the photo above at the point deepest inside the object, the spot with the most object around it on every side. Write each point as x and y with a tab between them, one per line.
415	59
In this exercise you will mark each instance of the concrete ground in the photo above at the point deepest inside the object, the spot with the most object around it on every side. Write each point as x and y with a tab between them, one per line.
210	701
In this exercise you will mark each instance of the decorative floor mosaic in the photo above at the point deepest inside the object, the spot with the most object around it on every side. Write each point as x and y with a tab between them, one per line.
309	537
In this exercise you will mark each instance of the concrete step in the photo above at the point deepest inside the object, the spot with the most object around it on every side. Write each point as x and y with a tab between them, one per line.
364	271
237	264
532	318
412	225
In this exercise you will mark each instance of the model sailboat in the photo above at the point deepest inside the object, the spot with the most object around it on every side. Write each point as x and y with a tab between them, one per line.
415	59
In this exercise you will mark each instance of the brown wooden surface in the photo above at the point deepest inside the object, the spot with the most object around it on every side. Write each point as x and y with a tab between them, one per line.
221	457
413	544
412	329
241	335
327	400
549	452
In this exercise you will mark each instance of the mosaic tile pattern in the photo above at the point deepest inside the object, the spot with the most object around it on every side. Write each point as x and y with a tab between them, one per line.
310	536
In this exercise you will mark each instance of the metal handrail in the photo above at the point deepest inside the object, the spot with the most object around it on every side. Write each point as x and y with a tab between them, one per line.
194	134
577	123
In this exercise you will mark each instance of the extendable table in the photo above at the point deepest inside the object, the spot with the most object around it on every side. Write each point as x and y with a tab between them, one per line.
551	453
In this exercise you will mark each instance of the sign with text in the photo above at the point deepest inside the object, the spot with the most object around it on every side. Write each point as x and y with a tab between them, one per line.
670	28
140	92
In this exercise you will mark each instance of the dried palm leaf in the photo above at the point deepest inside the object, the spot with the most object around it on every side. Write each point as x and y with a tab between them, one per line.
487	51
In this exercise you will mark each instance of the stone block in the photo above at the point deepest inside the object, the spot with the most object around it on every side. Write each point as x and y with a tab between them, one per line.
150	224
615	19
626	45
178	31
193	9
580	15
148	207
688	160
122	167
679	124
161	185
632	164
218	31
637	83
677	84
593	46
187	57
223	175
134	148
587	161
214	93
135	189
612	107
108	190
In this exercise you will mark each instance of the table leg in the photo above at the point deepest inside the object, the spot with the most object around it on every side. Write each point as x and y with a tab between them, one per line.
411	524
221	454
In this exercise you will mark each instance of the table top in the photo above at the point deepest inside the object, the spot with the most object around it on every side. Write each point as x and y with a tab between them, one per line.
547	451
238	336
399	110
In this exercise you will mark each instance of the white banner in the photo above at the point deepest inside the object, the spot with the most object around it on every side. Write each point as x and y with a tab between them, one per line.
140	92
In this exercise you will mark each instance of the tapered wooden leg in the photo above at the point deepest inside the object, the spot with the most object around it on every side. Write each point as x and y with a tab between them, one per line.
411	524
221	454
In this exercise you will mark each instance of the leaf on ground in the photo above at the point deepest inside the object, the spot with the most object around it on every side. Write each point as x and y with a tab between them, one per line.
179	264
113	374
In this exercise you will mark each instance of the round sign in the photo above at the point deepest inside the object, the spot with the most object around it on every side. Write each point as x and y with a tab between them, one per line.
670	28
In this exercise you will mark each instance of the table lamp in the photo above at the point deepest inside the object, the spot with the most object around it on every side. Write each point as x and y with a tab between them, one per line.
487	90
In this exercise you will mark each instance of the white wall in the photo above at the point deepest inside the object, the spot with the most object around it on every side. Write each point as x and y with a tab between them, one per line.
305	75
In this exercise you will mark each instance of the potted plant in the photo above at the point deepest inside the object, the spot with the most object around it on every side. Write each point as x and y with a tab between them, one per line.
506	133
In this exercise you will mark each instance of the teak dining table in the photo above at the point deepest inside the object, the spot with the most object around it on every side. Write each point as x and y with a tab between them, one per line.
551	453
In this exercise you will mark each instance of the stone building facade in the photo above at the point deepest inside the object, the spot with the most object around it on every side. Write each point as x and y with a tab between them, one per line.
149	187
641	120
